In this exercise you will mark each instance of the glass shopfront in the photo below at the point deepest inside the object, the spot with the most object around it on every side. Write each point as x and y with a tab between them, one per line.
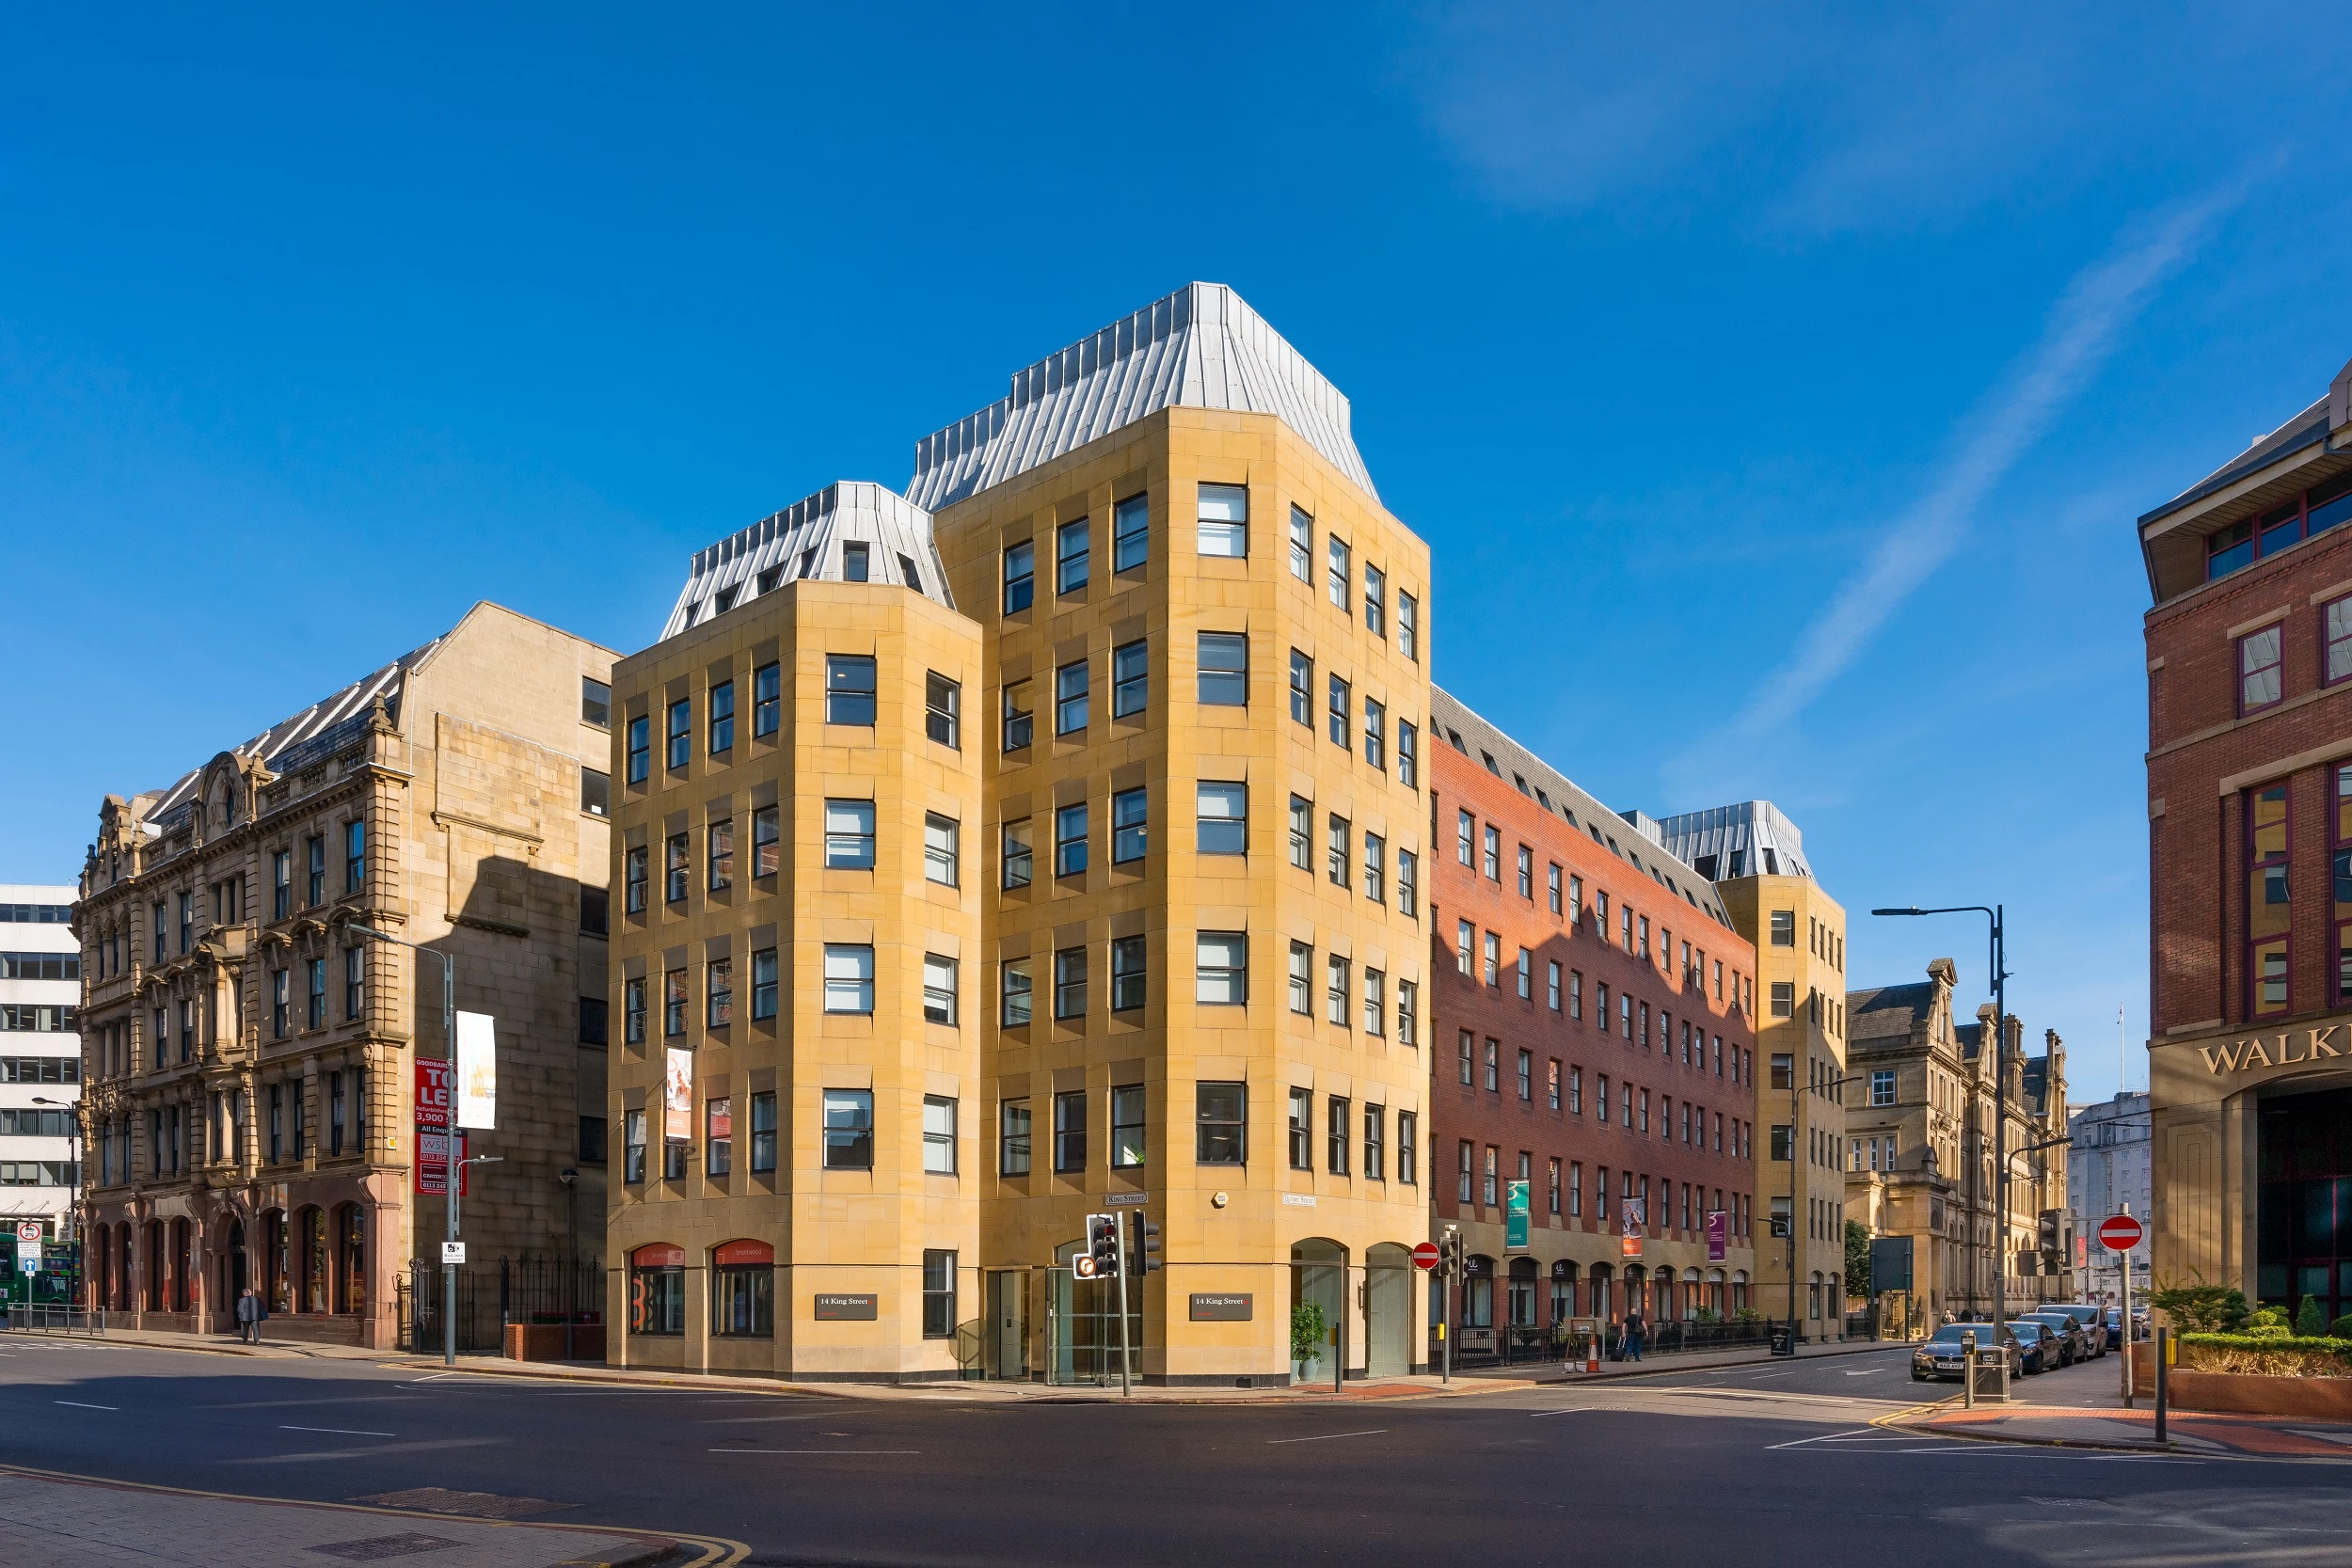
2304	1211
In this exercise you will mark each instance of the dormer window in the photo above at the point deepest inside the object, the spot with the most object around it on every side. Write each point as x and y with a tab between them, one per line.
854	566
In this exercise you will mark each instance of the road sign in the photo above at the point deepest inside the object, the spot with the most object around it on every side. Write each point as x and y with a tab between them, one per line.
1425	1256
452	1252
2120	1232
28	1230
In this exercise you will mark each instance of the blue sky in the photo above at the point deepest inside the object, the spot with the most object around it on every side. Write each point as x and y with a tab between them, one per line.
1776	388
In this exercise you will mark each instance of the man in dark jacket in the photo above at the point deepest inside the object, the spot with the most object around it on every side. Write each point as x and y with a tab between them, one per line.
250	1314
1636	1331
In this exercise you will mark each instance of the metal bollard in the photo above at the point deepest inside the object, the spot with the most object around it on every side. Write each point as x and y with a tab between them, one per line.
2164	1343
1968	1370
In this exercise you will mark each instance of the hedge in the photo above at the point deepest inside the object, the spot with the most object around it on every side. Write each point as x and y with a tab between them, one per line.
2267	1354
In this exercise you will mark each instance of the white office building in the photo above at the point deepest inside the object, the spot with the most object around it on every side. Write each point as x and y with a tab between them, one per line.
2107	1173
40	1057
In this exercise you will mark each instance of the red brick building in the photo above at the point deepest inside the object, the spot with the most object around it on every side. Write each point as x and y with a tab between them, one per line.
1591	1036
2249	839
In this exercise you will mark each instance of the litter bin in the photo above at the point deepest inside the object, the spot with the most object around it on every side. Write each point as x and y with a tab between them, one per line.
1784	1339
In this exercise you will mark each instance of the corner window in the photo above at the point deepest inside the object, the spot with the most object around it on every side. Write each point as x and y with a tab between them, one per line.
1223	818
848	1129
850	835
850	689
942	710
2259	656
848	977
1224	669
1224	520
1222	1124
1130	832
1222	974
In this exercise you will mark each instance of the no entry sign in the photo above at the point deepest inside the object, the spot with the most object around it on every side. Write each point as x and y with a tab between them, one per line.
1425	1256
2120	1232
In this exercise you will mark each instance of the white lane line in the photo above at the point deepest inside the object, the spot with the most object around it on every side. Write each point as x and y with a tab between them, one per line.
1326	1436
755	1421
1822	1437
342	1432
1574	1409
1866	1371
79	1405
813	1451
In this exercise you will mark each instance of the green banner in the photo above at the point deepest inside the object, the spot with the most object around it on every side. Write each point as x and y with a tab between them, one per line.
1515	1218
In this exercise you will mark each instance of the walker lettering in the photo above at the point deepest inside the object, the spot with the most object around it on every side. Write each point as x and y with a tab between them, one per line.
2278	1051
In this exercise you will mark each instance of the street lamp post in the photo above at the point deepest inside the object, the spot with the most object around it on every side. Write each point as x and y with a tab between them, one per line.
452	1173
2001	1107
74	1201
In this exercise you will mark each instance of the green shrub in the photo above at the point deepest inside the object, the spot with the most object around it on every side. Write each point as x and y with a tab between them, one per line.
2271	1355
2200	1308
1308	1331
2270	1323
2310	1322
2341	1328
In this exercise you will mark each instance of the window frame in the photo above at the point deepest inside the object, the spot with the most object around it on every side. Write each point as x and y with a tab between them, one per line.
2274	637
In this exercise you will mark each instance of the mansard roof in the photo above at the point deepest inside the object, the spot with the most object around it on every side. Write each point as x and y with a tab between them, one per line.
802	541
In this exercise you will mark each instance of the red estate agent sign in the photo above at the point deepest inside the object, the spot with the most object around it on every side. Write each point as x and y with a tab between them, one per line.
435	1088
1425	1256
2120	1232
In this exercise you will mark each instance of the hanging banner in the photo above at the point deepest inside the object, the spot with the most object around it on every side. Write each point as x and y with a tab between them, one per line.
477	1072
1718	1232
433	1094
677	1097
1515	1218
1630	1226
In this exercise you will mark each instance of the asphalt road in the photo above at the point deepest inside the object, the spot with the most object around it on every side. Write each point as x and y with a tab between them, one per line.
1763	1463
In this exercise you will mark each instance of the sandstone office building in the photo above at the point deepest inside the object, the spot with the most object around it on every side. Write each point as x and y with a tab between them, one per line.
2250	807
1047	840
250	1060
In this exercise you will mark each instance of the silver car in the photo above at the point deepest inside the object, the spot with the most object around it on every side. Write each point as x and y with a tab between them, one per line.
1938	1356
2093	1318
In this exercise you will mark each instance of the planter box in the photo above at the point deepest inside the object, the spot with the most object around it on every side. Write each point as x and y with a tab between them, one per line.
554	1341
2326	1399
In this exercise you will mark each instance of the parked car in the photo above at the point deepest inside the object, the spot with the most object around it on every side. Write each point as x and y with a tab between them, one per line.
2037	1344
2093	1320
2073	1341
1938	1356
2113	1318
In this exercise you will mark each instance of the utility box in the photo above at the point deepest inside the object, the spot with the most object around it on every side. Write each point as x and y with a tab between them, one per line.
1890	1264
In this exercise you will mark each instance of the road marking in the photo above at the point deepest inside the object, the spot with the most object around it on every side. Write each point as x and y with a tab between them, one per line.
1866	1371
342	1432
79	1405
1823	1438
1575	1409
813	1451
1326	1436
755	1420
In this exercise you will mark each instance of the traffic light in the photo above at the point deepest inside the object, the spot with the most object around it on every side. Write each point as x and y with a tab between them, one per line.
2053	1240
1452	1253
1100	1259
1146	1250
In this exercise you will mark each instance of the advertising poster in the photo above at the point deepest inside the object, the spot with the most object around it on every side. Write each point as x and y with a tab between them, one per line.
1629	1226
677	1097
1718	1232
433	1094
477	1072
431	1165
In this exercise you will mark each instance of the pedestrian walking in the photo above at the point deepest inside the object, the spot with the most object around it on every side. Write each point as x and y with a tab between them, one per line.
250	1314
1636	1330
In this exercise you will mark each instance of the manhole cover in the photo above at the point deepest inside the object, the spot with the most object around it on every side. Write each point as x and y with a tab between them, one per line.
474	1505
376	1548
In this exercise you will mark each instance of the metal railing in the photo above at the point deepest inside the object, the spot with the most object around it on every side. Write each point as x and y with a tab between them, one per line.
59	1319
530	1288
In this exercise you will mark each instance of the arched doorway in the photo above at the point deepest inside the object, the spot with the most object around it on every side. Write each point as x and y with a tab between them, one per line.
232	1266
1636	1289
1520	1301
1318	1280
277	1270
1562	1294
1739	1291
1603	1306
1694	1293
1388	1310
183	1255
351	1259
155	1270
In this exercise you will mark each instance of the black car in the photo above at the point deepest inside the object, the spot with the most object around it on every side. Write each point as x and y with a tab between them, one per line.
1938	1356
2074	1340
2038	1345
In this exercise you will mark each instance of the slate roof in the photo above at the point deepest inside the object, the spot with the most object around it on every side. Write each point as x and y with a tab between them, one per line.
801	542
2308	428
1887	1012
1200	347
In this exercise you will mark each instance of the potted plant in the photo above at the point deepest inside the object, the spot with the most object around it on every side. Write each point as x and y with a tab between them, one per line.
1308	1334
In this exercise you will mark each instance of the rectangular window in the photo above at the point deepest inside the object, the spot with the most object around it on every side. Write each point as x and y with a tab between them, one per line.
632	1146
848	1129
2268	908
1465	944
1302	545
1407	755
1221	1125
681	735
1012	1139
634	875
1302	689
1015	853
1407	1147
1302	833
1527	975
596	703
1376	1001
1070	982
856	562
355	856
1223	822
1376	601
1784	923
2337	633
722	716
640	749
943	849
1527	873
1783	999
1069	1131
1337	709
763	1132
2259	658
1130	534
1131	678
1336	989
1492	855
848	835
1338	1130
1409	625
354	986
1552	983
850	689
1020	576
943	709
767	698
673	1002
848	977
1340	573
1409	884
1128	958
281	884
1340	845
939	1135
1221	973
1224	671
281	1004
1015	989
1130	826
317	968
1020	722
719	844
1376	868
1224	521
1072	553
766	849
1375	729
1526	1077
764	985
718	1136
939	1294
1126	1126
633	1011
1302	1131
677	866
1408	1013
596	795
1490	1176
1302	978
940	988
1069	841
1492	950
1072	687
1492	1066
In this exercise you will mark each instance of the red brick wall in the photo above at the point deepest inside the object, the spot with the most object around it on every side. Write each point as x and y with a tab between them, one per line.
1499	1117
2197	855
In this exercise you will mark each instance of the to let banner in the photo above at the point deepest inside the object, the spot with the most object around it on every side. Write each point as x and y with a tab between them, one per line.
433	1094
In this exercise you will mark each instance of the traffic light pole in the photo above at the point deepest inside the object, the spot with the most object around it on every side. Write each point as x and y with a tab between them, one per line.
1127	1350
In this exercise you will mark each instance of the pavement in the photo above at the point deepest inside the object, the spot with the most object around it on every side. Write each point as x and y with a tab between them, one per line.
79	1522
2090	1413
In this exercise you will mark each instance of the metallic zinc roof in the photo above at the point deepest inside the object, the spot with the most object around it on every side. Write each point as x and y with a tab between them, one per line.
803	540
1456	725
1750	839
318	731
1200	347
